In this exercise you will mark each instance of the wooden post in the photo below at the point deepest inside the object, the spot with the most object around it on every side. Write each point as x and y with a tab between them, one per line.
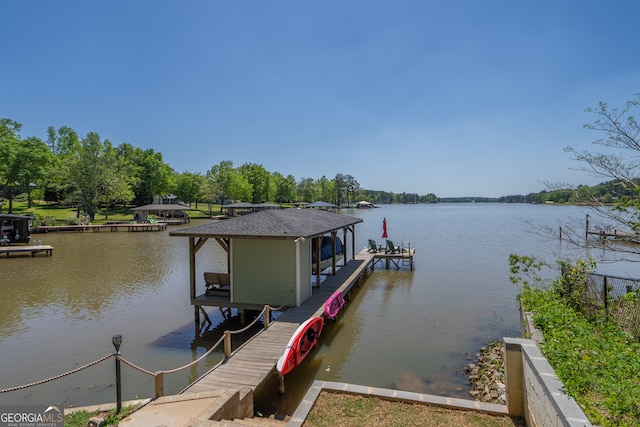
227	344
267	316
586	231
281	386
159	381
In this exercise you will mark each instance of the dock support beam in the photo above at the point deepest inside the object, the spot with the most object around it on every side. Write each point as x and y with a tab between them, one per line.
281	386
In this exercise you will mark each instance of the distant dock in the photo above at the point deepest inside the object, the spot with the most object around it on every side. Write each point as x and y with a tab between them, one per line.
140	226
25	250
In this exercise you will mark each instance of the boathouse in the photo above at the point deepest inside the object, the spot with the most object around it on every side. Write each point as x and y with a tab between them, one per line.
174	212
14	229
269	256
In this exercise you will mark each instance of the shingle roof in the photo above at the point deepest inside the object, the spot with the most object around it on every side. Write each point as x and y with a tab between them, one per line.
273	224
160	207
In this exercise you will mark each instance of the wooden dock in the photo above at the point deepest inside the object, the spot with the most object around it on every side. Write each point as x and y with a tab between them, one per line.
159	226
253	364
404	257
25	250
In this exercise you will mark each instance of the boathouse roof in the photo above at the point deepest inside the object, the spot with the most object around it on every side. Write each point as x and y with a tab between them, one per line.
162	207
273	224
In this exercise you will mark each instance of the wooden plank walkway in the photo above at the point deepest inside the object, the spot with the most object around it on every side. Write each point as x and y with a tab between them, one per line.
253	363
21	250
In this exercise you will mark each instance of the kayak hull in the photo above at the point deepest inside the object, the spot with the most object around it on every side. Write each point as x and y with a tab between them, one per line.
300	345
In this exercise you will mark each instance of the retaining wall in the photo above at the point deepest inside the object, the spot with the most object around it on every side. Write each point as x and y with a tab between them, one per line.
534	392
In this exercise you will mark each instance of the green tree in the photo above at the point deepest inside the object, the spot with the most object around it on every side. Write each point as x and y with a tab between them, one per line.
325	189
118	179
340	186
259	178
351	187
189	187
307	190
153	177
9	157
22	162
34	158
228	182
86	169
285	188
61	143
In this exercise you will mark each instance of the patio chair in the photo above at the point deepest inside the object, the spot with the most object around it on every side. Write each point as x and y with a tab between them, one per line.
373	247
393	249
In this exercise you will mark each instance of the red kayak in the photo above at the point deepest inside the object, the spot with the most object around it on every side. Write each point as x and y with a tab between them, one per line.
333	305
300	344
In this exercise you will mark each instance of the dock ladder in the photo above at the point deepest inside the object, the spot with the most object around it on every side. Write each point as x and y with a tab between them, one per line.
406	246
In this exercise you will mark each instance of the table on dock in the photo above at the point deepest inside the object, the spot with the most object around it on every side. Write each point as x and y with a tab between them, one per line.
254	362
21	250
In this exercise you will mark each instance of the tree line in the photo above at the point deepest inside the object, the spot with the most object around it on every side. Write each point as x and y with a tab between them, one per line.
91	173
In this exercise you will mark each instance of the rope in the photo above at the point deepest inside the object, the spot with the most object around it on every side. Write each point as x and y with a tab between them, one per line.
246	328
126	362
88	365
171	371
281	307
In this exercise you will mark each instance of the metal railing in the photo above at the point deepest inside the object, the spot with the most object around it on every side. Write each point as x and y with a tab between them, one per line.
159	375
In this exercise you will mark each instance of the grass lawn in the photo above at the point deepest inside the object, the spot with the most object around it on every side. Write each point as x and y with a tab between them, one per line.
342	409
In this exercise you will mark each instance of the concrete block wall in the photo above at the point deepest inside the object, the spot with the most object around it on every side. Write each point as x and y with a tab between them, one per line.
534	391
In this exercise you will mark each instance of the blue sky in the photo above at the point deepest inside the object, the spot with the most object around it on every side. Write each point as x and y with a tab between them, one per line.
456	98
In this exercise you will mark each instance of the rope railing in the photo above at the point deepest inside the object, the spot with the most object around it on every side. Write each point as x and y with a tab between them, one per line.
172	371
159	375
134	366
57	377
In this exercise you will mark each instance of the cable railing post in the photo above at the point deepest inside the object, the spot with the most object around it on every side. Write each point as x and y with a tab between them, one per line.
227	344
159	384
267	316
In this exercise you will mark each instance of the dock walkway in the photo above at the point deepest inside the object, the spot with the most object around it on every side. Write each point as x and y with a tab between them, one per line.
253	363
21	250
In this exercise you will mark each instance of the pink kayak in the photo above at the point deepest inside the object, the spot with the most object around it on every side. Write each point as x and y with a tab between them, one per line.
333	305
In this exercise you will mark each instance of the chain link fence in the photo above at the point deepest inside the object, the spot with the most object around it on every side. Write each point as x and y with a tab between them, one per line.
617	297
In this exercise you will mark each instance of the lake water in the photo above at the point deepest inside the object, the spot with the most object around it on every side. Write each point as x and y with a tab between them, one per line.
410	330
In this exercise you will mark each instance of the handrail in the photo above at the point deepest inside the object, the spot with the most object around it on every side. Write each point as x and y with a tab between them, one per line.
88	365
159	375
